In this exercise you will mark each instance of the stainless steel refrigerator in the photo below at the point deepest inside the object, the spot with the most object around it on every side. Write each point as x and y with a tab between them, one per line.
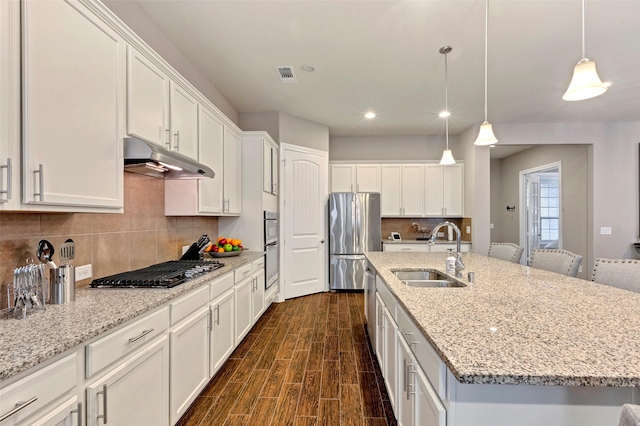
354	228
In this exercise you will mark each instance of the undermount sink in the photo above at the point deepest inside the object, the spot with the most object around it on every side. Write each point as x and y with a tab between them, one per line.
427	278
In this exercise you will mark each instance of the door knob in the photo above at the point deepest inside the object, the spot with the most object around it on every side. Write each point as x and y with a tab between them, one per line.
321	241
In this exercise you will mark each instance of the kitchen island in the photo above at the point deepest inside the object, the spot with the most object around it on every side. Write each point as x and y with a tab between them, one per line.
523	345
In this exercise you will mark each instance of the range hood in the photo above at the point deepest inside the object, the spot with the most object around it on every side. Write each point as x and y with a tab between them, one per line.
153	160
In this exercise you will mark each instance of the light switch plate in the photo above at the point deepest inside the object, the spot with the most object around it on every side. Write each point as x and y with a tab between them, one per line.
468	229
605	230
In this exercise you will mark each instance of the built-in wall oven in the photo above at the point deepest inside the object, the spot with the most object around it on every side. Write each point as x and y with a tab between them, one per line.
271	248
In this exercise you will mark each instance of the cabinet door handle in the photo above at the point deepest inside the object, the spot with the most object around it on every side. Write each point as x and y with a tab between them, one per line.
168	138
140	336
177	140
8	190
410	387
160	133
210	320
404	377
40	174
408	339
104	404
79	413
19	406
217	314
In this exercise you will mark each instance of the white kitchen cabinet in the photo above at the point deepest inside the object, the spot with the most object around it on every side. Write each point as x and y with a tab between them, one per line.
67	413
389	366
379	337
147	99
405	247
184	121
270	166
355	177
232	184
9	105
444	190
39	390
135	392
402	190
443	248
405	405
189	360
219	148
244	313
73	80
223	339
257	290
428	410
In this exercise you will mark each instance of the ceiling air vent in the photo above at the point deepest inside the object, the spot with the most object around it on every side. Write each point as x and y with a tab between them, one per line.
286	74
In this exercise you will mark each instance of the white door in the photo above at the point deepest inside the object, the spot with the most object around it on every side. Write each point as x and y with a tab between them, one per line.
303	222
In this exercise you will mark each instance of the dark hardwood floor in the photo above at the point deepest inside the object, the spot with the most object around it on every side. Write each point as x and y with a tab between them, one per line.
306	362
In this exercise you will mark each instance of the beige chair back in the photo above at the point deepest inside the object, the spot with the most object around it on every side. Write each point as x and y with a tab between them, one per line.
505	251
560	261
621	273
630	415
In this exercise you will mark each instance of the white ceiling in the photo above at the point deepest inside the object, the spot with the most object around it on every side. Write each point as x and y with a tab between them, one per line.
383	56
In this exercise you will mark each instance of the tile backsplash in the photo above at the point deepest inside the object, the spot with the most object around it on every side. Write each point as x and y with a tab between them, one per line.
408	232
112	243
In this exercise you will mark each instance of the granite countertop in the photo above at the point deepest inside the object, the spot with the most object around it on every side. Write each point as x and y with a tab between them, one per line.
521	325
24	343
403	241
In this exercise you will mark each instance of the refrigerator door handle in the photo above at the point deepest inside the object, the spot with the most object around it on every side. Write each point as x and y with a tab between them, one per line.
348	256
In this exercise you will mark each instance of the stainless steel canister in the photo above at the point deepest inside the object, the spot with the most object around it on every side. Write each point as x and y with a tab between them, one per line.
62	284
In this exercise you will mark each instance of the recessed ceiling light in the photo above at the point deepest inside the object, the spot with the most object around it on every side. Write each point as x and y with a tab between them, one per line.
444	114
370	115
308	68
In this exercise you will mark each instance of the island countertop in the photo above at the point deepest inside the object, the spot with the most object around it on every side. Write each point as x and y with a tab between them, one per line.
47	333
521	325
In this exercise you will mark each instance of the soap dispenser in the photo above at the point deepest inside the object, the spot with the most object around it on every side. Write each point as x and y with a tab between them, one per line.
450	266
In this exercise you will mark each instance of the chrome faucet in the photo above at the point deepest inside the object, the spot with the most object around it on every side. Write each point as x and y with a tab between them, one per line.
434	233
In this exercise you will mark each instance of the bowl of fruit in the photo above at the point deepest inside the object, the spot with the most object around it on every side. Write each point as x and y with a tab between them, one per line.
225	247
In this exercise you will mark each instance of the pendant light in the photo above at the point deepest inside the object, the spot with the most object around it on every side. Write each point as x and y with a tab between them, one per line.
486	136
585	83
447	156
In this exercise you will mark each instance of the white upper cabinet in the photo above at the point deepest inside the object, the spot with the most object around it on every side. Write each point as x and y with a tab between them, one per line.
355	178
9	105
211	137
232	172
184	122
269	167
444	193
73	103
147	100
402	190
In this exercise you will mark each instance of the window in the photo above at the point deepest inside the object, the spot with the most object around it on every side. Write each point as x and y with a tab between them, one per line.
549	210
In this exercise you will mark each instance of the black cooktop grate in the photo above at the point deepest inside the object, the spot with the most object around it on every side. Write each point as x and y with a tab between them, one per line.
163	275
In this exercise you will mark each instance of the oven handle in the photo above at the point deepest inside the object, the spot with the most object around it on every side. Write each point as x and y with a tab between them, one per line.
274	243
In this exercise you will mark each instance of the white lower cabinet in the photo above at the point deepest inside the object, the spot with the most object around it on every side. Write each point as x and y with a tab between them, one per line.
189	361
428	410
68	413
257	289
406	400
390	332
135	392
244	314
223	339
406	247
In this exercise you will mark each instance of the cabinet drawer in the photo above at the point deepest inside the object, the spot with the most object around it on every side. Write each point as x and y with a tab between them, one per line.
45	385
407	247
426	356
257	265
221	285
386	296
242	272
188	304
122	342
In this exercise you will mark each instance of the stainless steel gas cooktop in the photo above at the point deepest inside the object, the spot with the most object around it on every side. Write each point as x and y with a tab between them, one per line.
163	275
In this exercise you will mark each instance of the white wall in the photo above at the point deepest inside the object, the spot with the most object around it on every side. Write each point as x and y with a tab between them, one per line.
298	131
392	148
615	175
136	19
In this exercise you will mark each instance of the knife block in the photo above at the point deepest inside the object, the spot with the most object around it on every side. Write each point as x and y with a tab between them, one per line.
193	253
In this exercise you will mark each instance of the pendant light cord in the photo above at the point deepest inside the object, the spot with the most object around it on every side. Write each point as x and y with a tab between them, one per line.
584	55
486	50
446	99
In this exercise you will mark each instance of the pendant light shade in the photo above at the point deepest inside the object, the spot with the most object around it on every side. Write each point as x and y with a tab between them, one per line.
485	135
585	83
447	156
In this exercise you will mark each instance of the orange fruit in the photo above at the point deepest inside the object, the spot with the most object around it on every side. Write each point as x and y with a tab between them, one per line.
220	250
234	242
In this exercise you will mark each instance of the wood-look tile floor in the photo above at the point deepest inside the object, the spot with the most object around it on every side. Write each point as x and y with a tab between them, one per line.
306	362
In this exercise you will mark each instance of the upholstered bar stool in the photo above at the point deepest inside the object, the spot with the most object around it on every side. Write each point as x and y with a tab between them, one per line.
560	261
630	415
505	251
621	273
